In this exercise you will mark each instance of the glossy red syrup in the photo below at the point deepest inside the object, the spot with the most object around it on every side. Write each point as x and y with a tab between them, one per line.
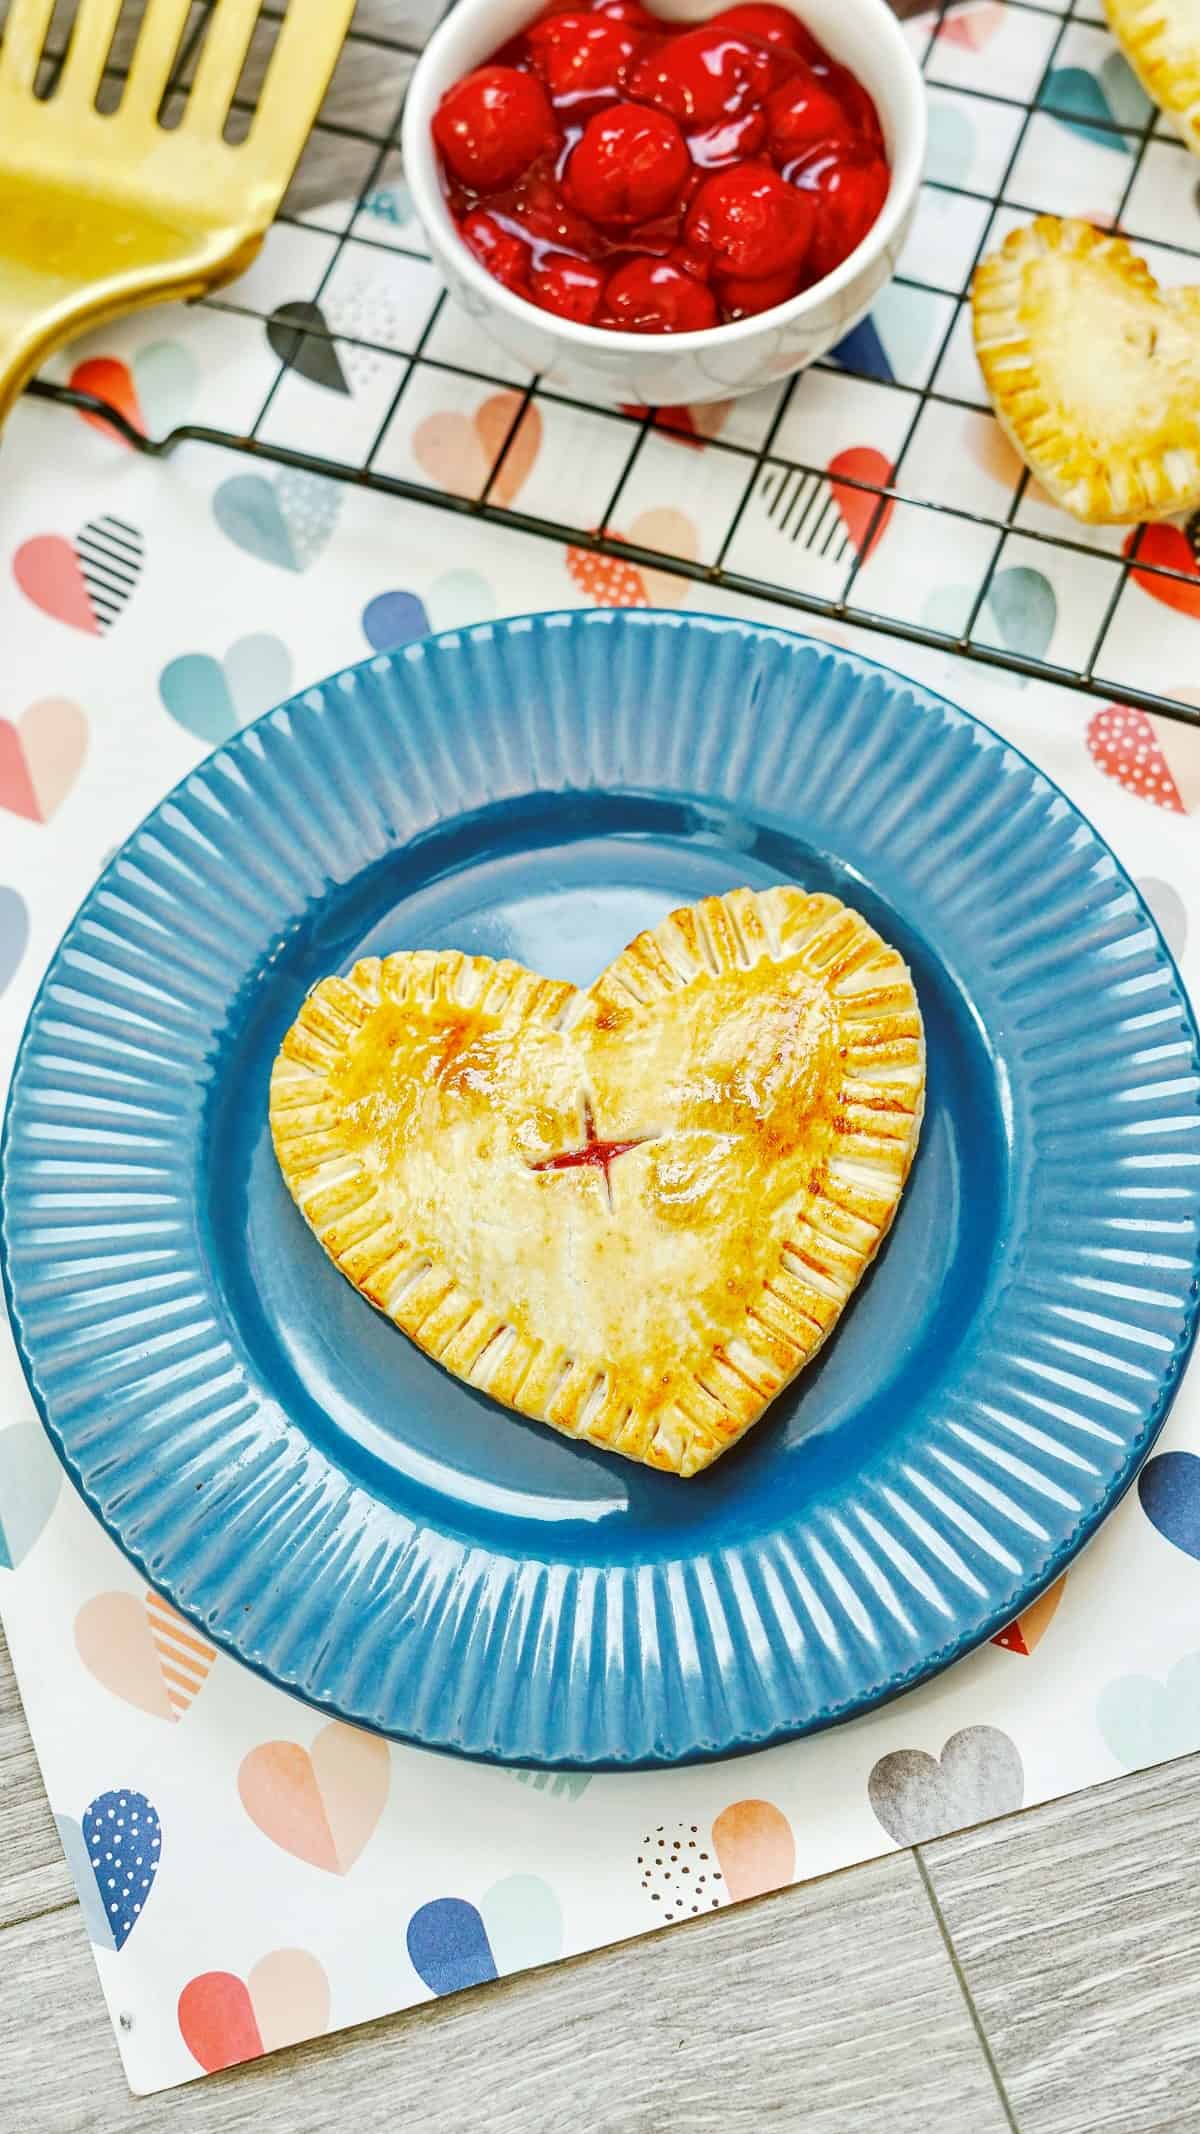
624	171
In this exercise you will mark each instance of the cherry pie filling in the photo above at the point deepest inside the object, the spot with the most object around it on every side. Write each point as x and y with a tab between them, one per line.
619	170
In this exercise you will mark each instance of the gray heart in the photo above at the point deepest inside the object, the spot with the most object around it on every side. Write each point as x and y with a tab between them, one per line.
14	933
300	338
915	1796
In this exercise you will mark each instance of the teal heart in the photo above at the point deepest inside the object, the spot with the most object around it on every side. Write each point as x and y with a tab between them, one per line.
1078	99
166	375
907	322
459	597
213	699
390	203
1024	609
14	932
30	1479
951	149
524	1923
1128	101
83	1875
1147	1722
286	522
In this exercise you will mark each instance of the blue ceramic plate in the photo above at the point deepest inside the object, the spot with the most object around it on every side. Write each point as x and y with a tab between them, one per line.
371	1533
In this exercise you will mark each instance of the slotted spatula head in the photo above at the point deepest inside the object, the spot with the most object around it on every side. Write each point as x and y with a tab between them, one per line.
103	212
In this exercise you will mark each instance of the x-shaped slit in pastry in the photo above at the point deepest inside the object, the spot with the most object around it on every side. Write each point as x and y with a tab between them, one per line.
595	1154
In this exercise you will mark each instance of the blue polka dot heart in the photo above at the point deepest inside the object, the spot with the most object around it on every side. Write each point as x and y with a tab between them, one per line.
124	1844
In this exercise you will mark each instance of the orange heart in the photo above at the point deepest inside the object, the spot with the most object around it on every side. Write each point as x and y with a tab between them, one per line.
224	2021
322	1805
458	451
614	583
1027	1630
755	1846
40	757
865	514
143	1652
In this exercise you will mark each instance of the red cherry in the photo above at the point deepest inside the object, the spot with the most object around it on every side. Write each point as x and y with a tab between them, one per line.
630	11
492	125
771	25
751	221
730	140
583	59
854	101
704	75
654	296
569	287
742	299
629	165
802	112
500	251
847	183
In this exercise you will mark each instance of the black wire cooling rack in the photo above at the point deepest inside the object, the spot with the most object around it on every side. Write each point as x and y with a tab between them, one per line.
784	527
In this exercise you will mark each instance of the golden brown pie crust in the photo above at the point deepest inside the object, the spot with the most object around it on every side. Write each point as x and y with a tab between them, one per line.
1161	41
633	1212
1093	370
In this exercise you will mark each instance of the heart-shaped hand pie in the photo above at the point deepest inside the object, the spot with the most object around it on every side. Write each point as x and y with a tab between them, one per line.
1093	370
1161	41
633	1212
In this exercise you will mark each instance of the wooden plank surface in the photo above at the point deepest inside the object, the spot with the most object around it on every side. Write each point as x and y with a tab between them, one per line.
1077	1929
834	2008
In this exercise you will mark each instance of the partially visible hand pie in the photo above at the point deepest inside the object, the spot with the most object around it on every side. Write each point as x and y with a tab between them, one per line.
1093	370
1161	41
633	1212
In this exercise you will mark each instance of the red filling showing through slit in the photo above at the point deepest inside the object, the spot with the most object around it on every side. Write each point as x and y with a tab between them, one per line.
595	1154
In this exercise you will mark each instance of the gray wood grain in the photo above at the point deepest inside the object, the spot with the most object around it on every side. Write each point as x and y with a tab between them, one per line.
33	1873
832	2008
1077	1927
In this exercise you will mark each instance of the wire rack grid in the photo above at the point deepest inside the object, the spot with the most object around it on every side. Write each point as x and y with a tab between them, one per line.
781	520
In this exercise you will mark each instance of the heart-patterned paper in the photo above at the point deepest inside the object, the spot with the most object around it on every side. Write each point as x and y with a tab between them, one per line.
1155	550
662	1855
153	393
224	2020
612	582
1096	106
287	522
41	754
865	514
755	1848
143	1652
122	1848
517	1923
1026	1631
1169	1493
666	1162
322	1804
213	698
458	452
1156	758
1144	1721
300	337
918	1797
1093	370
85	582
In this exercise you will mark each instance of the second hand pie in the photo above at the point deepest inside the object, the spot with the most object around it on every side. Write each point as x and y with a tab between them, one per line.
633	1212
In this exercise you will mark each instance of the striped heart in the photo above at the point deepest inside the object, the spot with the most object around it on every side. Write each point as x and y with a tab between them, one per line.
85	582
143	1652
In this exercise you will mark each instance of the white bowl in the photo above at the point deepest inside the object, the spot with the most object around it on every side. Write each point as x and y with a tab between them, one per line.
661	370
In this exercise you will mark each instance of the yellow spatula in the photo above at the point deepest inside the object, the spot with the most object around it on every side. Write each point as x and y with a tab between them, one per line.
101	213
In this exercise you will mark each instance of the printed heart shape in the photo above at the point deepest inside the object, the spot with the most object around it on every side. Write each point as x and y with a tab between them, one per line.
390	203
712	1067
85	582
973	27
322	1805
224	2020
896	340
1077	100
123	1838
663	1855
1172	550
614	583
451	1944
1169	1494
153	396
1020	612
458	452
952	140
1147	1722
1026	1631
214	699
394	619
300	338
692	425
1060	305
30	1480
143	1652
755	1847
917	1797
865	516
287	522
14	933
40	757
1155	758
